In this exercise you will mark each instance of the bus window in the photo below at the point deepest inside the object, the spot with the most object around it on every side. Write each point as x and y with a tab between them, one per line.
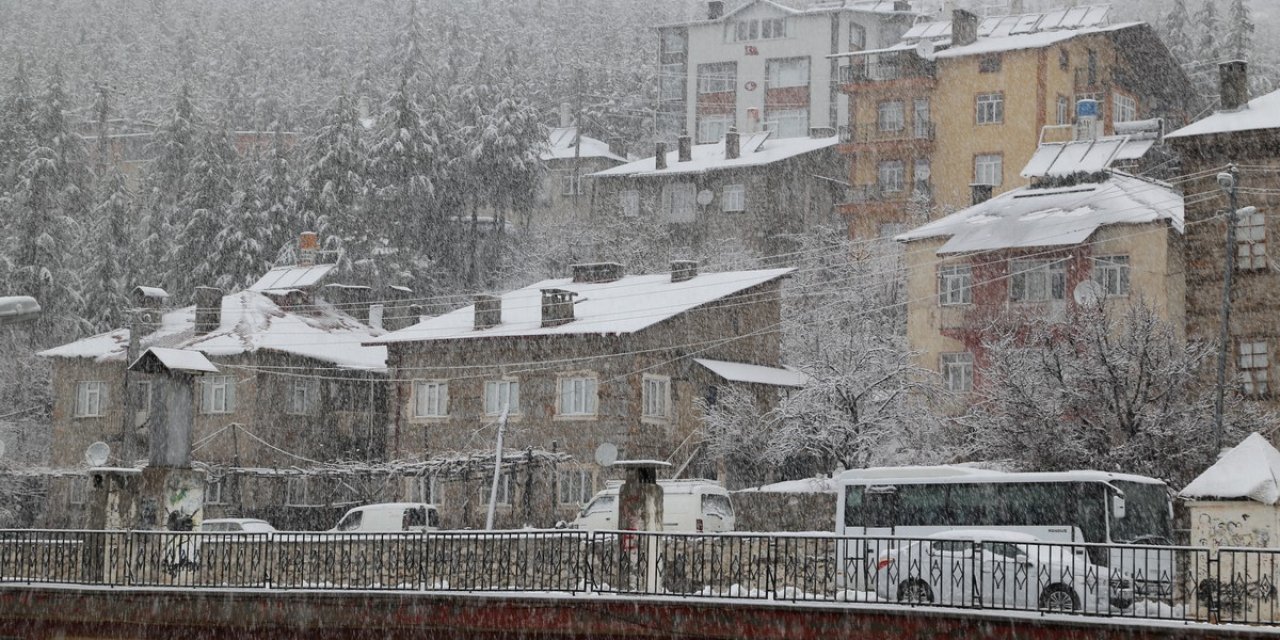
880	509
970	505
1036	504
921	505
1091	511
853	506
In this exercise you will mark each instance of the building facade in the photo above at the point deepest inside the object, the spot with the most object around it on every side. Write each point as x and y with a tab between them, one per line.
565	194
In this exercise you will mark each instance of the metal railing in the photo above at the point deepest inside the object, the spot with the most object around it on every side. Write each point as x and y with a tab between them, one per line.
869	133
1177	583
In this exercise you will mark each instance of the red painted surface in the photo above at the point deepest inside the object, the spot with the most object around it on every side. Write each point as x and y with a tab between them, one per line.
786	98
38	613
722	103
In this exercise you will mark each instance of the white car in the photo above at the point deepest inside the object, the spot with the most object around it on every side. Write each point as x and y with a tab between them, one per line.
236	525
1002	569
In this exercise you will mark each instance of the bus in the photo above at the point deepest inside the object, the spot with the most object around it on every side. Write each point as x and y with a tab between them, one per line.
1069	506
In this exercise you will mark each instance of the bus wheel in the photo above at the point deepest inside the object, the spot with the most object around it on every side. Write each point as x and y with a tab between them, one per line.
1059	598
915	592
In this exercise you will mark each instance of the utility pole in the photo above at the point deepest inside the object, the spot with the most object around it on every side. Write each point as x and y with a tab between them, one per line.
1228	182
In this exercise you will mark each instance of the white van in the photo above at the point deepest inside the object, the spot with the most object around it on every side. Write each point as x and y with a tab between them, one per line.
390	517
687	505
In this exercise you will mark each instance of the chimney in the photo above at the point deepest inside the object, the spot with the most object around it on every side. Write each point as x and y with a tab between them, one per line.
981	193
685	146
660	155
308	245
1233	83
901	6
715	9
557	307
596	272
208	309
566	114
488	311
964	28
732	144
618	147
682	270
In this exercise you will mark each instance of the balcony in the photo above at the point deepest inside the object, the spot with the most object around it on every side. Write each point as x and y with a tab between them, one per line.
877	193
887	69
873	133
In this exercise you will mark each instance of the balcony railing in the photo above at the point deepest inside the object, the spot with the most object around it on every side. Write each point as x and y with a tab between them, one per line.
869	133
886	69
873	193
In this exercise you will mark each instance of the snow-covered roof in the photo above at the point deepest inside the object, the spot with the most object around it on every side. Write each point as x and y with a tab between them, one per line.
623	306
1260	113
816	8
807	485
754	373
152	292
1040	40
754	150
184	360
1052	217
560	146
250	322
960	473
1023	24
1249	470
292	277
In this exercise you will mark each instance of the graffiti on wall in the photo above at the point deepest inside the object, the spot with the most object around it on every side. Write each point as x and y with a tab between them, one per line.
1214	531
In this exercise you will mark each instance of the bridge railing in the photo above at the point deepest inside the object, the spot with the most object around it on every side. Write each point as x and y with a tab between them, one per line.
1143	581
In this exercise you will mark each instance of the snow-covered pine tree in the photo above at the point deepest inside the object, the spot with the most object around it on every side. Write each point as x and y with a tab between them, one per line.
109	279
1208	24
165	185
1177	32
1238	44
16	109
193	260
331	198
260	221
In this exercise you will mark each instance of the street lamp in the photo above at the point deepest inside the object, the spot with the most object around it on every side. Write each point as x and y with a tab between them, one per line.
16	309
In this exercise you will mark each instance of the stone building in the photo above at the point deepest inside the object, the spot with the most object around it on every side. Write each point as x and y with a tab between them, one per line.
569	157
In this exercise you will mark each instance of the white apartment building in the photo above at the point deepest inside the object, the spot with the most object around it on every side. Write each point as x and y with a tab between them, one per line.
764	65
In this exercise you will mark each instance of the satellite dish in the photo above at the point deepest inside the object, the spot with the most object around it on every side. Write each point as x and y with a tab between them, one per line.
606	454
1088	292
705	197
97	453
925	49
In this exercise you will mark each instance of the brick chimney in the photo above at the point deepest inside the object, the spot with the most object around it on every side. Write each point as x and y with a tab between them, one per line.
981	193
685	146
597	272
308	246
208	309
715	9
659	155
964	28
683	270
557	307
732	144
1233	84
488	311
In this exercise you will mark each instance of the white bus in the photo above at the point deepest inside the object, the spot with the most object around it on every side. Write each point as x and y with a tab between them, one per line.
1069	506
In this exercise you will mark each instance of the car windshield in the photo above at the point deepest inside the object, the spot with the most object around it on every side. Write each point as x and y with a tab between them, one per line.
717	505
603	504
351	522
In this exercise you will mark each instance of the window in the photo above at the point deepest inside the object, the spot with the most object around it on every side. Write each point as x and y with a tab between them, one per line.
787	72
891	176
504	491
578	396
989	63
733	199
789	123
988	169
213	492
1064	110
218	394
91	399
1112	274
719	77
1251	241
1064	59
891	116
656	397
920	177
300	493
1254	363
921	125
576	486
141	402
857	37
679	199
761	29
501	394
711	128
303	396
430	399
957	372
426	489
78	491
1124	108
671	82
630	203
570	183
955	285
1037	280
990	108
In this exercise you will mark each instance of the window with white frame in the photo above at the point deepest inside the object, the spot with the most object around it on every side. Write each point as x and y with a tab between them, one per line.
1112	274
760	29
91	399
920	177
1037	280
989	63
503	499
891	116
1064	110
789	123
578	395
857	37
213	491
718	77
501	394
891	176
78	490
1124	108
570	183
630	200
955	285
921	122
988	168
733	198
430	398
1251	241
712	127
576	486
787	72
679	200
303	396
218	394
990	108
671	83
957	372
656	397
1254	367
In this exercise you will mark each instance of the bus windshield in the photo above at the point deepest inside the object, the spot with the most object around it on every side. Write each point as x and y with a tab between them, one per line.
1146	518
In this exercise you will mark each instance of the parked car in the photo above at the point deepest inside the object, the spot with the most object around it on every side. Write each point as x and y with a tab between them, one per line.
687	505
236	525
390	517
994	568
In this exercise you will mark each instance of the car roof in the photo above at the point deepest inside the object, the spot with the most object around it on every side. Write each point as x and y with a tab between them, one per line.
985	535
393	505
239	520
